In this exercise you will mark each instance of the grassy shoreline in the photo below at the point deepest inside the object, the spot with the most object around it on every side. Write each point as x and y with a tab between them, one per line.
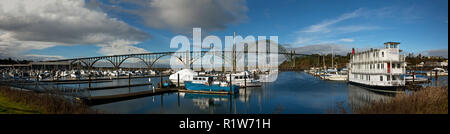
429	100
26	102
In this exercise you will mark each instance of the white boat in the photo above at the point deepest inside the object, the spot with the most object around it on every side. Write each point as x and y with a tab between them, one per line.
440	72
378	68
151	72
243	79
336	76
64	74
411	78
185	75
271	76
75	74
114	73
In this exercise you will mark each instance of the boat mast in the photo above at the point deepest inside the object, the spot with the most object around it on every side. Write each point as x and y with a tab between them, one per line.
234	53
332	57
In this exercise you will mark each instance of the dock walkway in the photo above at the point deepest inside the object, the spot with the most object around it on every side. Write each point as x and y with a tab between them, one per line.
97	100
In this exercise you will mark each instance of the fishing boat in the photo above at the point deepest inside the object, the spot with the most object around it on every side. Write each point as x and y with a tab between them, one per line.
207	83
243	79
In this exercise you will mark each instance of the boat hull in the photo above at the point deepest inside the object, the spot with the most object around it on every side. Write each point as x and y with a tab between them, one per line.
387	88
202	87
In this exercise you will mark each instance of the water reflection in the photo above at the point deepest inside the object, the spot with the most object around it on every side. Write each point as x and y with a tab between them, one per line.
362	97
291	93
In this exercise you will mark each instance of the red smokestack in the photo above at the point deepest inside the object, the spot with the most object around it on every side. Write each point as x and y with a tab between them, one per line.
353	51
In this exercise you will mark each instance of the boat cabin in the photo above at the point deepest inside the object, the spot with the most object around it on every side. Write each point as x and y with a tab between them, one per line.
202	79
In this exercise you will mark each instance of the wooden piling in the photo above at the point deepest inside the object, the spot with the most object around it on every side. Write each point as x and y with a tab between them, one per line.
245	84
129	79
245	81
160	80
178	80
89	81
231	84
436	77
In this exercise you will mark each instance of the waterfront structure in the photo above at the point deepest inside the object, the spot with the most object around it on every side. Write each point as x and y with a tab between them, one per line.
378	68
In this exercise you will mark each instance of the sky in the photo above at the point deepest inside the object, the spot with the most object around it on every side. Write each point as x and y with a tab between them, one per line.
59	29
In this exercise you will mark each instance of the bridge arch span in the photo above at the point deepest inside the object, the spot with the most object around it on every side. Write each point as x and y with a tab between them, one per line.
81	61
171	55
136	57
100	59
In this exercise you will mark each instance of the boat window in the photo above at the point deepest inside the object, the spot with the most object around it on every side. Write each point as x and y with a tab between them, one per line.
382	66
398	66
393	65
381	78
388	78
382	54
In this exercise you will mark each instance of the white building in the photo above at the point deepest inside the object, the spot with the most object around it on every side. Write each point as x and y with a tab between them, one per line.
378	68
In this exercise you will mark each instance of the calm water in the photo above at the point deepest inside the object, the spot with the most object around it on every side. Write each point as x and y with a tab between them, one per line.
291	93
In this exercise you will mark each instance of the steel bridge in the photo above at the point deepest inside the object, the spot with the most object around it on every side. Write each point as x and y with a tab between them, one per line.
187	58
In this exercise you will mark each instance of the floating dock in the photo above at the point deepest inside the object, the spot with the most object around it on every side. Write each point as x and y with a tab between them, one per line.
79	82
120	86
103	78
97	100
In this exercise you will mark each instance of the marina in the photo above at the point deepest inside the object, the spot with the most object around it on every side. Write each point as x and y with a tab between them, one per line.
218	66
292	92
370	76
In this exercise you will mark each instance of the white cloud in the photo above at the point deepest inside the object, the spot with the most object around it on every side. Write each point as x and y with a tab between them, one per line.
346	40
323	27
337	49
437	52
354	28
118	47
38	24
37	57
11	47
301	40
332	30
181	16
